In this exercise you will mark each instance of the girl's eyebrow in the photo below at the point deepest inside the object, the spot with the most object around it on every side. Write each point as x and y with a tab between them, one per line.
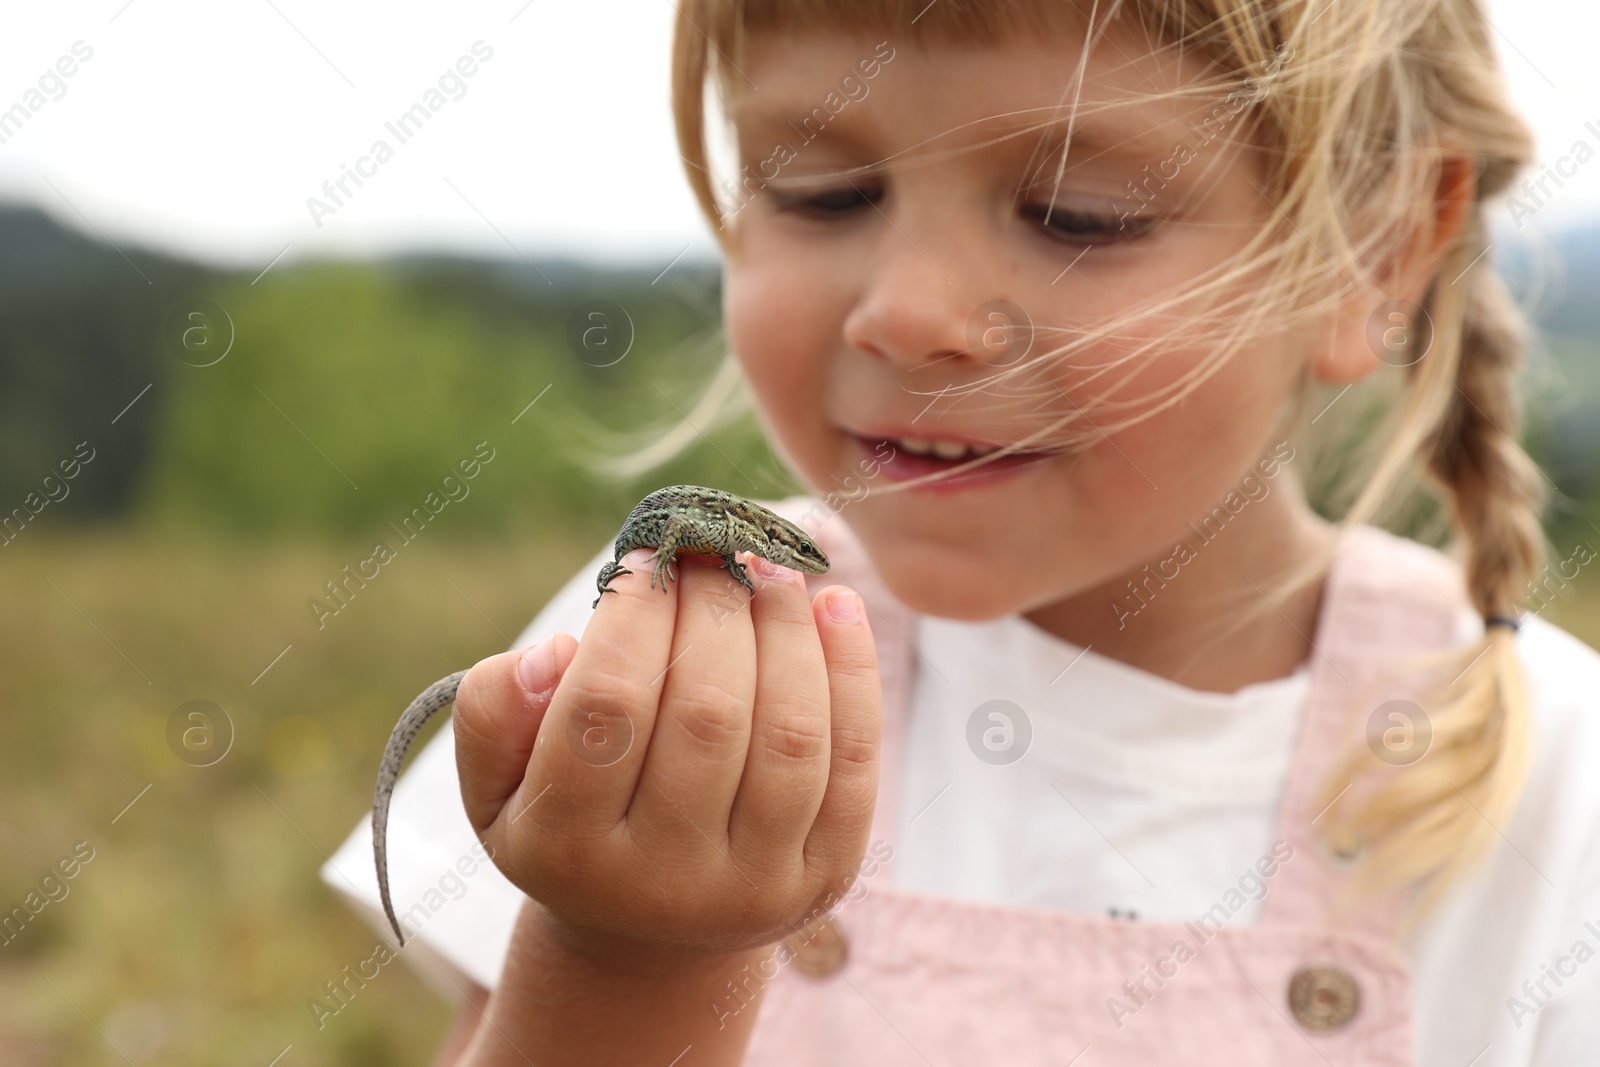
1093	137
791	122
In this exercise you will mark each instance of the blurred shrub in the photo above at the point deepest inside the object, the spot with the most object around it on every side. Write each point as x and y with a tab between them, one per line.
354	390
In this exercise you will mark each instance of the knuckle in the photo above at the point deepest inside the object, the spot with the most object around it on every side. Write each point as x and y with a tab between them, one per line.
852	659
797	734
710	715
609	690
855	746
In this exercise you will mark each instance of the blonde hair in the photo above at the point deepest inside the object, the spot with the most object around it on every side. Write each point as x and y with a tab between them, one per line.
1360	124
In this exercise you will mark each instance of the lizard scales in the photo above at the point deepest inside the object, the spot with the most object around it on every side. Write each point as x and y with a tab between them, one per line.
678	518
692	518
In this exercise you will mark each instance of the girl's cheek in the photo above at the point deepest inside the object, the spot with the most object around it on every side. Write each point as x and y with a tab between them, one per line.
780	352
773	329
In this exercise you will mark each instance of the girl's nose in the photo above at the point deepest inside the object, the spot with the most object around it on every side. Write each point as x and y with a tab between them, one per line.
914	308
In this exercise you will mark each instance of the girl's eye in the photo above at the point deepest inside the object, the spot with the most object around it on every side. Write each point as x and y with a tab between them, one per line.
1079	226
830	203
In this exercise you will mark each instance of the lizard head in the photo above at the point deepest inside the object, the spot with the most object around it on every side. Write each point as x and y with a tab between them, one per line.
789	546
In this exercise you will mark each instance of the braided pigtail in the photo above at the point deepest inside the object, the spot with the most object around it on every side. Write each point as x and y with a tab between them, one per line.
1438	818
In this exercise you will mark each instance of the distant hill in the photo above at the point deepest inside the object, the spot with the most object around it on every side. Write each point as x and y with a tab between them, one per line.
1558	284
394	366
77	326
1561	280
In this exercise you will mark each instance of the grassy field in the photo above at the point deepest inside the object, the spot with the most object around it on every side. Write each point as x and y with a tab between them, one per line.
199	929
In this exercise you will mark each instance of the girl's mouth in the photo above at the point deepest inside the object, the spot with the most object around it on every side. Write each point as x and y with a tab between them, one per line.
902	459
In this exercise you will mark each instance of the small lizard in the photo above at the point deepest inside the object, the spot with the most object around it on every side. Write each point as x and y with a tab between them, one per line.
679	518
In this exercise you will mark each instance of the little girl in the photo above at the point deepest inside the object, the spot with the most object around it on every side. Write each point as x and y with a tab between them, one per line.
1097	744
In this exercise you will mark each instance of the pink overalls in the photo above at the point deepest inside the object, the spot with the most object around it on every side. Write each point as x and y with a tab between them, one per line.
896	977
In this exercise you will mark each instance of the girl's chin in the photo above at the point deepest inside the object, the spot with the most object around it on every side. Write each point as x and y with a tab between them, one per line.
934	581
943	599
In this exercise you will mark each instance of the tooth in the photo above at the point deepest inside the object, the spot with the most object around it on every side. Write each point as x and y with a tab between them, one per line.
949	449
916	444
984	450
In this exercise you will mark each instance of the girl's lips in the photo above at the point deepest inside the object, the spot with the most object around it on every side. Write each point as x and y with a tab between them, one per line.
901	466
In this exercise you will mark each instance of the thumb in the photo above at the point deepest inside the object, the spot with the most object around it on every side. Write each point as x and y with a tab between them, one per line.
499	707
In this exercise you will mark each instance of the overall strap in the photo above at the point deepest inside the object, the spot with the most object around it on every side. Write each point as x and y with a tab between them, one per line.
1386	599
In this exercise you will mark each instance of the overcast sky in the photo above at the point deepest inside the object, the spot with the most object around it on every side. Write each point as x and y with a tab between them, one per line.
203	127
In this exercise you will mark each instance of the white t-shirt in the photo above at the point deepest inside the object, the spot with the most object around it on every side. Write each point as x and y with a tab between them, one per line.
1133	794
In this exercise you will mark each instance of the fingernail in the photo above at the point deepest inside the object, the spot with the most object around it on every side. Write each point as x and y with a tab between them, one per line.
844	606
536	670
638	557
768	569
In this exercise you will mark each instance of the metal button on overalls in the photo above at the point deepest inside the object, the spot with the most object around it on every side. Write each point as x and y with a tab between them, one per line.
1342	847
818	949
1323	996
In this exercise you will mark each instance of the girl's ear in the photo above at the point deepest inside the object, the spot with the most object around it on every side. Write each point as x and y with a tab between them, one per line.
1406	279
1436	232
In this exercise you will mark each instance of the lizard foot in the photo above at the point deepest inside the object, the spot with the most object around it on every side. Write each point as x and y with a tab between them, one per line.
603	582
738	569
663	568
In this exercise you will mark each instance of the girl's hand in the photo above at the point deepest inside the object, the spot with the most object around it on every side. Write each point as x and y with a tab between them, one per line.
695	777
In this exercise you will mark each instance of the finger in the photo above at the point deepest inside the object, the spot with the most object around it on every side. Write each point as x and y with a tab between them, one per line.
839	834
599	723
499	708
786	768
697	751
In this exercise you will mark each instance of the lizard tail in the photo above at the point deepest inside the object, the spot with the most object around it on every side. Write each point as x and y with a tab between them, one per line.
429	702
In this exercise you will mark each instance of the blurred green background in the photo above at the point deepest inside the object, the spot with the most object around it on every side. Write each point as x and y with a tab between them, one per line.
251	436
